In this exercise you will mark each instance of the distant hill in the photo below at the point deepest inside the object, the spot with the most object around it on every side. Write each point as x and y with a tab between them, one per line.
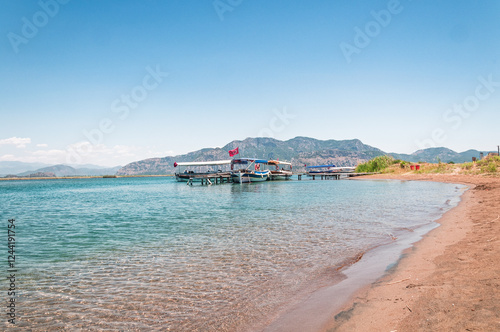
434	155
97	171
92	166
298	150
15	167
42	175
64	170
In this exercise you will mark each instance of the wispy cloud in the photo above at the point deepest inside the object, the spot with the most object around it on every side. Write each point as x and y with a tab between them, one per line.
42	145
16	141
8	157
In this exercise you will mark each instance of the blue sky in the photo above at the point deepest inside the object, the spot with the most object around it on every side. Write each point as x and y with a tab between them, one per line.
111	82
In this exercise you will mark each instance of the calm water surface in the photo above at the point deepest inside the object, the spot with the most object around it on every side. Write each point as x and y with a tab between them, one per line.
152	253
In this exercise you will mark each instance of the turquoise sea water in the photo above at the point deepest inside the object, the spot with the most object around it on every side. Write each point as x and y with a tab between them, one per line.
152	253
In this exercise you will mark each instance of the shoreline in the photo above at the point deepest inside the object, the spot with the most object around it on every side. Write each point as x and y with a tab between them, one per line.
328	301
448	280
84	177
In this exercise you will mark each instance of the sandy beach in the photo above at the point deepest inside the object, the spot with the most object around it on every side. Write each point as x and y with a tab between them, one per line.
448	281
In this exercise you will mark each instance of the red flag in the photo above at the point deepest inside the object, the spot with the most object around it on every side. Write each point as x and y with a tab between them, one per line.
233	152
175	164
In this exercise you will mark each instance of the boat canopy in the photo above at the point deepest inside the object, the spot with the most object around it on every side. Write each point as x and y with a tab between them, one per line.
204	163
277	162
248	160
320	166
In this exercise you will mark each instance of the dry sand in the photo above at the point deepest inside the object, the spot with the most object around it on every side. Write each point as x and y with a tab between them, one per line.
449	281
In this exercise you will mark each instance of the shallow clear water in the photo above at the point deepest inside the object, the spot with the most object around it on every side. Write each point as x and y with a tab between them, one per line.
152	253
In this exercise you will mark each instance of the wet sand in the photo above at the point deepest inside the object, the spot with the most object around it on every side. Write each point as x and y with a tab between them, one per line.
448	281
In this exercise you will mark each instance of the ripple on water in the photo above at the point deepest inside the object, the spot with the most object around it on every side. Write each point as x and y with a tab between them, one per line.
156	254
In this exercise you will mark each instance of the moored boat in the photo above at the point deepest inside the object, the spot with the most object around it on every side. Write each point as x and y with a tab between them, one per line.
345	169
246	174
199	170
280	174
319	169
328	169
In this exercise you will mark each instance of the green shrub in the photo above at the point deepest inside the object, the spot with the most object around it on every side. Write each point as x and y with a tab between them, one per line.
467	166
441	168
481	162
492	167
375	165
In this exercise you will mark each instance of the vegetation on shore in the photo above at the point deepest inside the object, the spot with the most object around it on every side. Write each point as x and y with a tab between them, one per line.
489	166
377	164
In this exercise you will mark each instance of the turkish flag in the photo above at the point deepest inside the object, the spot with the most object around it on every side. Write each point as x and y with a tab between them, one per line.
233	152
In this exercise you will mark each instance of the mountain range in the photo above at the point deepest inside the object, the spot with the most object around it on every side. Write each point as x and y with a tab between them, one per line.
26	169
299	151
15	167
435	155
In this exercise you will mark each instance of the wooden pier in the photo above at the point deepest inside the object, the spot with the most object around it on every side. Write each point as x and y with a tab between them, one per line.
326	176
219	178
332	176
210	179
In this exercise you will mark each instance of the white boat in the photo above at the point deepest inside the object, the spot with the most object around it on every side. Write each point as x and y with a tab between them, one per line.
250	172
246	176
320	169
327	169
344	169
201	170
280	174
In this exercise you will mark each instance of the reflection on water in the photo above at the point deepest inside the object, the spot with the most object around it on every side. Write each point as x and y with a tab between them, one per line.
145	253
